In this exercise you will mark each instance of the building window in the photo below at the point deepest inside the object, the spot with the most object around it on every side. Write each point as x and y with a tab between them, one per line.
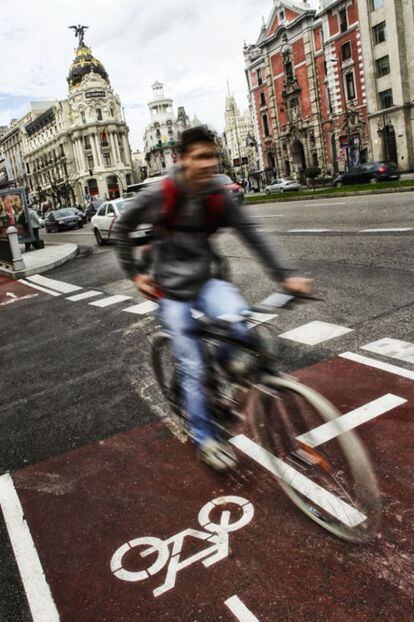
83	116
90	162
385	99
379	33
350	86
27	168
382	66
61	150
259	77
112	111
262	99
346	51
265	125
98	114
87	142
343	20
107	159
376	4
282	15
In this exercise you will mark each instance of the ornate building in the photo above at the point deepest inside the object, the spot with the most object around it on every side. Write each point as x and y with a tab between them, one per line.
306	85
163	132
239	135
387	30
79	146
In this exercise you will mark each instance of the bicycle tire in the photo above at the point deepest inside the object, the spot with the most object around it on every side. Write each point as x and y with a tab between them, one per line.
346	448
165	370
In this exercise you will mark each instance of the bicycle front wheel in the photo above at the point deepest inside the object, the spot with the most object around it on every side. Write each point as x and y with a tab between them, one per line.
165	370
322	467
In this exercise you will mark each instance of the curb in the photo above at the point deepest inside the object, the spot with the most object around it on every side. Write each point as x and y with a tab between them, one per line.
40	268
335	195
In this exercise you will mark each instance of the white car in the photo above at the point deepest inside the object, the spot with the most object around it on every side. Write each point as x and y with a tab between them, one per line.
105	218
282	185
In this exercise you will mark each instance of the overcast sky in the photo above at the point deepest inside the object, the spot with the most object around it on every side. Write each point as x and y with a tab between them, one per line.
192	47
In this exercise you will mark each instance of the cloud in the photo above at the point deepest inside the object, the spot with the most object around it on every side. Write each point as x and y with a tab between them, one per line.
192	48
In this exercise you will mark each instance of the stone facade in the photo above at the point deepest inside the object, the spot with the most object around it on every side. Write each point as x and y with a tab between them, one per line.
79	147
306	84
387	29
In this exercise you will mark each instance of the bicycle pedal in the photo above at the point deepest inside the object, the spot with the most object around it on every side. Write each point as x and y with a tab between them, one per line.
302	458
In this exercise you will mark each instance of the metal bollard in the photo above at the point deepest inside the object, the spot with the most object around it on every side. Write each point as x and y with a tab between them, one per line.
17	259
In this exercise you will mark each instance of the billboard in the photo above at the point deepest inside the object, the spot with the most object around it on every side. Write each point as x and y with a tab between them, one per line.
14	211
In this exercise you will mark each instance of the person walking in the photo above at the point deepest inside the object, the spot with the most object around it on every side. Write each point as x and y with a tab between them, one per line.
35	222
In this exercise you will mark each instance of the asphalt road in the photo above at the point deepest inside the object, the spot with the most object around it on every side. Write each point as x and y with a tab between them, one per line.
80	429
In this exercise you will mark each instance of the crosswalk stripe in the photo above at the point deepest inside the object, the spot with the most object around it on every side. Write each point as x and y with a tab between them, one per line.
394	348
84	296
341	510
59	286
142	308
365	360
41	289
349	421
315	332
111	300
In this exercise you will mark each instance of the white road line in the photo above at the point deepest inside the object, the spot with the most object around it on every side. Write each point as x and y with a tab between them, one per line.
39	596
351	420
84	295
142	308
394	348
315	332
59	286
308	230
392	369
341	510
328	203
260	318
111	300
397	229
42	289
240	610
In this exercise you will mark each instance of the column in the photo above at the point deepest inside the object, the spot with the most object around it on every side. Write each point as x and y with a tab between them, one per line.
82	160
118	154
94	152
112	141
95	142
78	163
126	150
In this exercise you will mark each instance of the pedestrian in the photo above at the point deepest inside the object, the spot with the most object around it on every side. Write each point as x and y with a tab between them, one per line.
35	222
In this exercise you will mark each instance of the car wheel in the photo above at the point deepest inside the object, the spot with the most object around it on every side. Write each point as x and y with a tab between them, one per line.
339	184
99	239
80	225
282	190
267	191
374	180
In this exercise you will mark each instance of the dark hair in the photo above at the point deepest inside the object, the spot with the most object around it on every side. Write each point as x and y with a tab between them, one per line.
199	134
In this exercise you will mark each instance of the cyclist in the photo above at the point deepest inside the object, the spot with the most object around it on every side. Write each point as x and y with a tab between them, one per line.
184	212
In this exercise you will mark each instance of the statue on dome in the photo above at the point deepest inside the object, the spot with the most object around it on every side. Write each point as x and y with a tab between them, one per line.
79	32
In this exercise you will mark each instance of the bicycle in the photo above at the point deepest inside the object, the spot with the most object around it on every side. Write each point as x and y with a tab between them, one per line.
335	485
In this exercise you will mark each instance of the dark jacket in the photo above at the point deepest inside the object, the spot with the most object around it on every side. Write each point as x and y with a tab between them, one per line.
183	260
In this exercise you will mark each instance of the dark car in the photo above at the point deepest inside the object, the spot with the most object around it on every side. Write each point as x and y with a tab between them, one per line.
81	216
62	219
369	172
235	190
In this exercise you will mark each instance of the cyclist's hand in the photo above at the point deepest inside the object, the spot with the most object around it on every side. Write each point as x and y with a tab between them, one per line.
147	286
298	285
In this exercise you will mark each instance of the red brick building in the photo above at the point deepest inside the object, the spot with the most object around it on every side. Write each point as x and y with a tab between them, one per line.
306	84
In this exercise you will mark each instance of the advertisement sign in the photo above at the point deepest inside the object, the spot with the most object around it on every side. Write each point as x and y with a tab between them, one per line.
14	211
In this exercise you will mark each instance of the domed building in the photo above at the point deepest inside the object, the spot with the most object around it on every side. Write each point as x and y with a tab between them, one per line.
79	147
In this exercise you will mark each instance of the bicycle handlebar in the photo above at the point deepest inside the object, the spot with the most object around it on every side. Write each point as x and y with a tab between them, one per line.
281	300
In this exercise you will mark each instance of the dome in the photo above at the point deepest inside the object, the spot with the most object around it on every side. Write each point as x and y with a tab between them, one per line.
83	64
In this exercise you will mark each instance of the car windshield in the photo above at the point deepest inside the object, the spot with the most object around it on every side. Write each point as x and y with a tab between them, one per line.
63	212
120	205
224	179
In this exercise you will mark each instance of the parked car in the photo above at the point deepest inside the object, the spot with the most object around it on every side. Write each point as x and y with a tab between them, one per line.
105	218
282	184
369	172
235	190
62	219
132	189
79	214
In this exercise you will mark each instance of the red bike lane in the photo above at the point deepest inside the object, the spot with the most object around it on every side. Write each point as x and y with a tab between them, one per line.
93	512
14	292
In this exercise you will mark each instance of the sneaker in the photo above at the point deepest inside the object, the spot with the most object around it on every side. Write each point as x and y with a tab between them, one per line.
218	455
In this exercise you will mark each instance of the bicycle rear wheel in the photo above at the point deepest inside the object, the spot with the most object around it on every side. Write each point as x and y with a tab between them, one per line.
165	370
323	469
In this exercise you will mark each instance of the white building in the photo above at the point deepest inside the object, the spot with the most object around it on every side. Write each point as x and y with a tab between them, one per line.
163	132
240	141
79	146
387	38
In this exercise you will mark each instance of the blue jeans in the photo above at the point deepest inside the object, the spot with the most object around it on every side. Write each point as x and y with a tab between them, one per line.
216	298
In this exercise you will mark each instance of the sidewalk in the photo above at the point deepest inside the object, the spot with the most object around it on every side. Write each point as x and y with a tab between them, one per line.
42	260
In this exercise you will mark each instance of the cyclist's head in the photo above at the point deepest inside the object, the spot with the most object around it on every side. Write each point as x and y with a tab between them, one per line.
198	154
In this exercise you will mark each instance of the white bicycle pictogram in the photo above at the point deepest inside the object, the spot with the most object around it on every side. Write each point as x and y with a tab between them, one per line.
13	298
169	551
